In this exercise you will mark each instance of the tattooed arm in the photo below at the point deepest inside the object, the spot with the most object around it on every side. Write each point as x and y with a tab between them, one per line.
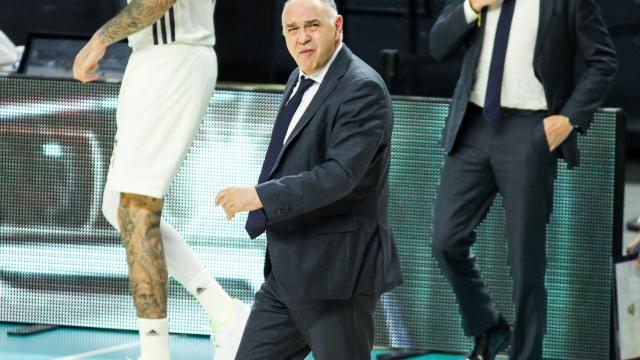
134	17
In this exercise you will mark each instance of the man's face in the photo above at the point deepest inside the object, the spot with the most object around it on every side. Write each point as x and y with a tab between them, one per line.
310	33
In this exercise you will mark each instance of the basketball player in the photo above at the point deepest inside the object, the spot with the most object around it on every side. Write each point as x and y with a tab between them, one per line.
164	94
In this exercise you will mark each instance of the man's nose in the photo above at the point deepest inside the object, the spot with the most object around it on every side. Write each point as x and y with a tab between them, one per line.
303	37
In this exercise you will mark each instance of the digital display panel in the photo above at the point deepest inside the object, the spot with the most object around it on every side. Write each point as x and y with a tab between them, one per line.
50	55
62	263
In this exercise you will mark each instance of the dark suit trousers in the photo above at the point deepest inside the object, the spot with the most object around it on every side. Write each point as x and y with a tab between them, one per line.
280	329
510	157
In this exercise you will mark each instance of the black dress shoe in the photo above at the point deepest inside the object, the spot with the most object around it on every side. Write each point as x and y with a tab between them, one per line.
489	344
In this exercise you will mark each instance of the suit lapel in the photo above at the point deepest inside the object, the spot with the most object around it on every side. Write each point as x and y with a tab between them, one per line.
330	81
546	12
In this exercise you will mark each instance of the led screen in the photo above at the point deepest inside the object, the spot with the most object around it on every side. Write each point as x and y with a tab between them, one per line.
61	263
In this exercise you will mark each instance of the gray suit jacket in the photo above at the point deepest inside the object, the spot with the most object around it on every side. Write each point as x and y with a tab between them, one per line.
328	233
566	28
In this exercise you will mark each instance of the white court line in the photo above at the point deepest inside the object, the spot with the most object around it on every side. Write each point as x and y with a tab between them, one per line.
111	349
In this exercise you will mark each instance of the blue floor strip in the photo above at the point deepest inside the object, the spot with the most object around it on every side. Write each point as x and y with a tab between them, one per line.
66	341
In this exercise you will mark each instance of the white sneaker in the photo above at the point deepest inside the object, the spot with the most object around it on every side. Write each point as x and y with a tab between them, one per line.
226	336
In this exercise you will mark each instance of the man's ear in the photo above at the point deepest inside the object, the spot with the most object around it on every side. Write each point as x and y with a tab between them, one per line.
339	24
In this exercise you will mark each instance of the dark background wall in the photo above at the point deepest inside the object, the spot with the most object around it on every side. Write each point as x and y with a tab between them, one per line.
19	17
251	49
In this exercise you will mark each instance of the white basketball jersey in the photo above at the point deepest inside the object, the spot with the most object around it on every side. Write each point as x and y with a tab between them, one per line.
188	22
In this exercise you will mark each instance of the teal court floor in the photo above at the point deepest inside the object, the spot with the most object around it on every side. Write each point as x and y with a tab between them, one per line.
78	343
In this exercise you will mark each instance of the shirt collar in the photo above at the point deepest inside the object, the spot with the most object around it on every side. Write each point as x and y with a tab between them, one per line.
318	76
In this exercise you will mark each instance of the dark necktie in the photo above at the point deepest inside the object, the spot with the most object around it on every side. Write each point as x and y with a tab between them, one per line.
257	221
492	110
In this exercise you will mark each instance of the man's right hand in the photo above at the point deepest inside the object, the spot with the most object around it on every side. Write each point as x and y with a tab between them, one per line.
86	63
478	5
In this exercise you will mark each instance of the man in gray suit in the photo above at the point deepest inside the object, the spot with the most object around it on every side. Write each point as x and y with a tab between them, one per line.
322	198
516	109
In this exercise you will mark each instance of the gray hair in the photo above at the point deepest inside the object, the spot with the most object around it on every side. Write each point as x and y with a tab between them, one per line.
330	6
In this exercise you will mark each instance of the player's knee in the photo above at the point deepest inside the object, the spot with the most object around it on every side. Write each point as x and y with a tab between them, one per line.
113	206
130	202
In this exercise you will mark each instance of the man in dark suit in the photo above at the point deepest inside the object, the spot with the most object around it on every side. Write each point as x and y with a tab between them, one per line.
323	199
515	110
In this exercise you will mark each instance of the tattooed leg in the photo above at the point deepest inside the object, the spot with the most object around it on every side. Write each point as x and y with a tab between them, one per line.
139	220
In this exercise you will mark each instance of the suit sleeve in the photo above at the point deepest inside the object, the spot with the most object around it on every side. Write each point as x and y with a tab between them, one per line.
363	122
450	29
594	44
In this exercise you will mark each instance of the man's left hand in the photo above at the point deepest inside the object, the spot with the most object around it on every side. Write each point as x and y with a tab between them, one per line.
557	128
237	199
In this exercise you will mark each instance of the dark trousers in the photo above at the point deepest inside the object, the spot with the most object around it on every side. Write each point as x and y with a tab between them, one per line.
280	329
510	157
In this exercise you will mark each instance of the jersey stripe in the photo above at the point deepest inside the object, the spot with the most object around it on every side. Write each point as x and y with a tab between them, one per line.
172	25
155	33
163	27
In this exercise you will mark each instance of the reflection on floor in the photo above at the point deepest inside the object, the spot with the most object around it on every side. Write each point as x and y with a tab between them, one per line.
79	343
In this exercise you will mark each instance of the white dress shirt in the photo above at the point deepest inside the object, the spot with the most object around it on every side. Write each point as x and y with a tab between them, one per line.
311	91
520	87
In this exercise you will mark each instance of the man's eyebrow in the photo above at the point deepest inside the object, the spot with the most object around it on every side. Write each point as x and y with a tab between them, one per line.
308	22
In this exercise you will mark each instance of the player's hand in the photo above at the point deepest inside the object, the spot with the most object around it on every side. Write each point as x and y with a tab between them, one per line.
86	63
237	199
557	129
478	5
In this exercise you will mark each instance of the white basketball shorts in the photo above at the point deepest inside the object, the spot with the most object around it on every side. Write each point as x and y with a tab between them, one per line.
164	95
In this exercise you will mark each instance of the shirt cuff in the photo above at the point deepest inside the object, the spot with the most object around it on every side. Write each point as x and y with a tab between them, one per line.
469	14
